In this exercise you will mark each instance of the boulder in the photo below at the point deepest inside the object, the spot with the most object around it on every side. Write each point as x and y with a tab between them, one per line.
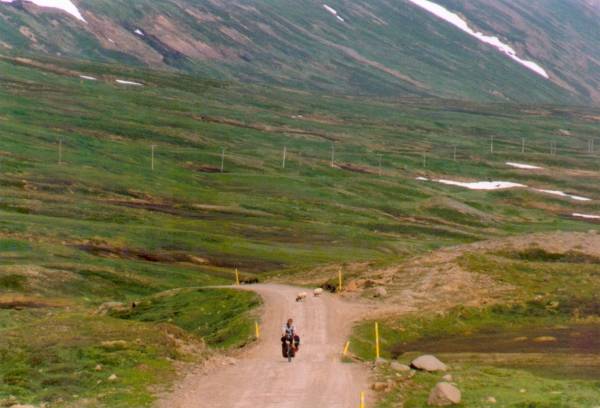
113	377
380	362
379	386
490	400
108	307
396	366
380	291
114	345
428	363
448	378
444	394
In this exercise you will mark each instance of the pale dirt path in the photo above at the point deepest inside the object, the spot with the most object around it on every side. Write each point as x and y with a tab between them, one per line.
263	378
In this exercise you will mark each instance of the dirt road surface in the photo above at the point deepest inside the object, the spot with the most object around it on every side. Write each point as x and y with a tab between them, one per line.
261	377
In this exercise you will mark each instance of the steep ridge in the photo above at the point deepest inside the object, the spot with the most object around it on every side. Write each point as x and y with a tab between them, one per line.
382	47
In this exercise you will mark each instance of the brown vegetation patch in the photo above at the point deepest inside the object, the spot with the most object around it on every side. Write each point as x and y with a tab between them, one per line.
164	256
203	168
19	302
263	127
355	168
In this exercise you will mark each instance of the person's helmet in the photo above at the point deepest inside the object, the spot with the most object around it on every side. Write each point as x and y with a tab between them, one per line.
290	321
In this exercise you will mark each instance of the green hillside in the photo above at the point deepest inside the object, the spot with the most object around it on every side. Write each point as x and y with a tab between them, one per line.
86	220
381	48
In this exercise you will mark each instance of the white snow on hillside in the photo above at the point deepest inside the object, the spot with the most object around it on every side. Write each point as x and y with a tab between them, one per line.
334	12
65	5
587	216
482	185
458	22
123	82
331	10
139	32
87	77
523	166
562	194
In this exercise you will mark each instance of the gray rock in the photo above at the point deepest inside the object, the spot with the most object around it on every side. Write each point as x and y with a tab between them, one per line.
444	394
380	362
107	307
396	366
380	292
428	363
379	386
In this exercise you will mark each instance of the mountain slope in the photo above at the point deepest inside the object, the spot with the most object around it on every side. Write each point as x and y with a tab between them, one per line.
384	47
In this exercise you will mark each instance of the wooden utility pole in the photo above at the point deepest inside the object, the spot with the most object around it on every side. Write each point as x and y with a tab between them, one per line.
332	154
284	157
59	151
222	160
152	160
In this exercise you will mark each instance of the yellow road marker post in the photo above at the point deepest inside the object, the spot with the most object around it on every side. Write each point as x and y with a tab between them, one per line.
376	340
362	399
346	347
237	277
257	330
340	281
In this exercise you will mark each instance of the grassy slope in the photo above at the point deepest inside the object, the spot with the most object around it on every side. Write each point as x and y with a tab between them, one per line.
103	227
302	45
556	296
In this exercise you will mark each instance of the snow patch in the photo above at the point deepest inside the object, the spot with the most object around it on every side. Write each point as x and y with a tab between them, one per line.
89	78
587	216
139	32
563	194
482	185
65	5
123	82
458	22
523	166
333	12
422	179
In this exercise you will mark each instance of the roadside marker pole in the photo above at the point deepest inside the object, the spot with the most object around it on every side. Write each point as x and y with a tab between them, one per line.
376	340
340	281
237	277
222	160
454	152
379	165
59	151
522	145
424	160
492	144
346	347
152	160
257	330
332	154
284	157
362	399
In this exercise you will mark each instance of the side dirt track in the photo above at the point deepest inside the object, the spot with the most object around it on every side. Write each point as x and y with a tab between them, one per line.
261	377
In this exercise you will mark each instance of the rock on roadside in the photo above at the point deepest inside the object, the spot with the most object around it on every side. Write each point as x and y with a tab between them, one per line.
444	394
396	366
428	363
